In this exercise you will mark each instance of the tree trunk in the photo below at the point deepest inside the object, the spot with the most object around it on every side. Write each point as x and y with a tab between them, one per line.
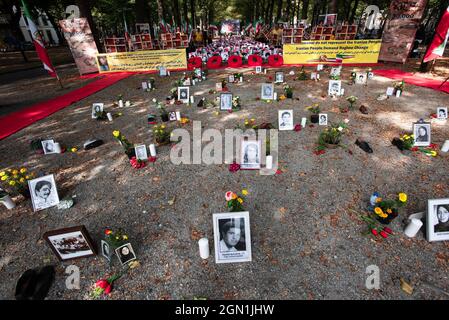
271	12
278	11
160	10
305	9
333	6
176	13
354	11
141	11
186	12
193	13
86	12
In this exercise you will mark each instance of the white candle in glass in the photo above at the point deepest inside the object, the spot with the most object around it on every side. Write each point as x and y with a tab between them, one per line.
7	201
127	103
120	103
303	122
152	150
241	79
204	248
109	115
413	227
178	115
269	162
191	99
445	146
275	96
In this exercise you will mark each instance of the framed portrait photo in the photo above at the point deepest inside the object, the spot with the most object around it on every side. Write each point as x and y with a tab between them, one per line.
438	219
285	119
370	75
250	154
231	78
319	67
48	146
334	88
258	69
162	71
267	91
96	108
360	78
335	71
322	119
106	250
172	116
232	237
70	243
144	85
141	152
225	101
183	94
219	86
279	77
422	134
44	193
390	91
125	253
442	112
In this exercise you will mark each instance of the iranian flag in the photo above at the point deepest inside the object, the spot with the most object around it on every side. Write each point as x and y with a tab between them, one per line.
436	48
38	42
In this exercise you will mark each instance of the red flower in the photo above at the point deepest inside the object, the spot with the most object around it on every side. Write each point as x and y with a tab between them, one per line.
388	230
194	62
319	152
278	171
152	159
103	284
414	149
108	289
214	62
275	60
270	78
384	234
433	115
254	60
235	61
234	167
433	146
136	163
298	127
374	231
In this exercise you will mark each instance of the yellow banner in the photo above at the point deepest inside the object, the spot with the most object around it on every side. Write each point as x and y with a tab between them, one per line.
142	60
332	51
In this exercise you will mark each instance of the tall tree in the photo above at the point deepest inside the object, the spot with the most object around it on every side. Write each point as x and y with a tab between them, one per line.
333	6
354	11
186	11
85	7
279	10
305	9
176	12
160	10
192	13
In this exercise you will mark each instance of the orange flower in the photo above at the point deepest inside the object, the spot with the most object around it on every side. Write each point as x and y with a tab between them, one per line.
108	232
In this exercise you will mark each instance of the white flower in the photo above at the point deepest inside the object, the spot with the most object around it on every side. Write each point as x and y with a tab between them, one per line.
346	120
154	100
340	129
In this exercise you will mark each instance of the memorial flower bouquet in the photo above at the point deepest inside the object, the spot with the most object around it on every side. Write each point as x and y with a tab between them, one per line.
15	180
315	110
400	85
152	86
236	103
374	228
302	75
235	201
407	142
163	112
161	134
351	100
127	146
387	210
331	137
288	91
115	238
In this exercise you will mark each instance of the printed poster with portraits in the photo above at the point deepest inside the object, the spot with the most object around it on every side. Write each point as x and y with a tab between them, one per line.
80	39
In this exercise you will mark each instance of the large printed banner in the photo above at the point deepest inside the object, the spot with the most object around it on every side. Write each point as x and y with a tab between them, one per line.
81	42
332	51
142	60
400	29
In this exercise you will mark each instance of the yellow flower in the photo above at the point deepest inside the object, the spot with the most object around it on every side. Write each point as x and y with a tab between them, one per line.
74	149
163	127
240	200
125	237
378	211
253	120
234	196
27	177
384	215
4	178
15	172
2	173
389	211
244	192
12	183
23	170
402	197
22	180
433	153
378	200
16	176
116	133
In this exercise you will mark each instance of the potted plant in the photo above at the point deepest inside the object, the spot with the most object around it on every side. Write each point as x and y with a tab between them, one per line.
127	146
163	112
16	181
161	135
302	75
399	86
351	100
387	210
315	110
236	105
331	137
288	91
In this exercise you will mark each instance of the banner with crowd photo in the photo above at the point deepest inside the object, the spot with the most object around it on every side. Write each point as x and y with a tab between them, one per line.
400	29
142	60
81	43
332	51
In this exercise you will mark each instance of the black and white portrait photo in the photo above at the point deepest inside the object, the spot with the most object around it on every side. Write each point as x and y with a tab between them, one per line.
422	134
334	88
43	192
96	109
279	77
370	75
259	69
442	113
231	78
172	116
250	154
225	101
322	119
70	243
183	94
335	72
106	250
360	78
162	71
144	85
267	91
141	152
232	237
438	219
285	119
49	146
125	253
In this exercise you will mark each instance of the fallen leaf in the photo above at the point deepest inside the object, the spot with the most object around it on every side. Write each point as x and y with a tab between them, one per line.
407	288
172	201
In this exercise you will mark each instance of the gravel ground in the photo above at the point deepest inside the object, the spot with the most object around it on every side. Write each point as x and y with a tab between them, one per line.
306	242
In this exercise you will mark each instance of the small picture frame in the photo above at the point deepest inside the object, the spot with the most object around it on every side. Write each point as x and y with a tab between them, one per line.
187	82
226	101
219	86
231	78
258	69
267	91
141	152
334	88
163	71
442	113
125	254
70	243
360	78
422	134
49	146
106	250
97	108
390	91
438	219
232	237
335	72
322	119
370	75
285	119
183	94
145	85
313	76
319	67
251	154
44	193
279	77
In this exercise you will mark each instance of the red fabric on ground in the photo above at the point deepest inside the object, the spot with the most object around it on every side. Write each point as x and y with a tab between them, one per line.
414	79
18	120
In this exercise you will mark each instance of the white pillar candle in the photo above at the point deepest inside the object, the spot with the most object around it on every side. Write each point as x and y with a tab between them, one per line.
265	71
275	96
109	115
241	79
413	227
178	115
204	248
168	72
342	91
193	82
303	122
127	103
398	93
191	99
7	201
152	150
445	146
269	162
318	76
120	103
57	147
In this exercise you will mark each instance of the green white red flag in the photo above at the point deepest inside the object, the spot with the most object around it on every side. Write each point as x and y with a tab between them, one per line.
38	42
436	48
